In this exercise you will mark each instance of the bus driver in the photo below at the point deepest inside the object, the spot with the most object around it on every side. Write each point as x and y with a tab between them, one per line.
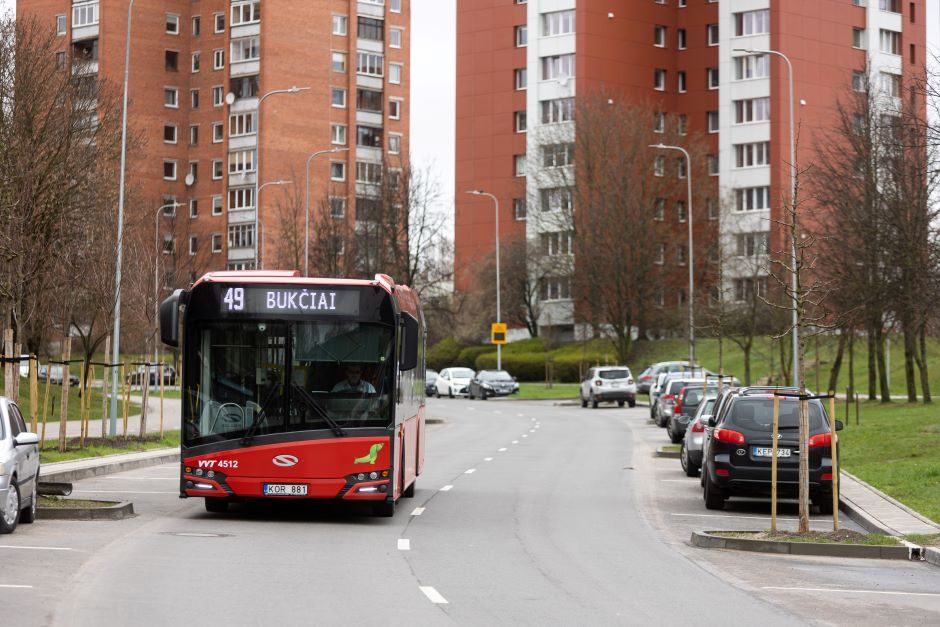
353	381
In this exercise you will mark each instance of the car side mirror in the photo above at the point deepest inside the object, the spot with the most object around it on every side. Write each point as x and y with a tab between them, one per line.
839	425
711	421
25	438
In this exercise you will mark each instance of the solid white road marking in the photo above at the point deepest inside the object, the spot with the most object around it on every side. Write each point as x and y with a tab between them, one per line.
432	594
12	585
470	472
447	488
404	544
118	492
844	590
417	511
487	459
502	450
35	548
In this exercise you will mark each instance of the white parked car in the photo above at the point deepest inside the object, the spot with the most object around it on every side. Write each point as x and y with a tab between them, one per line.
19	468
453	382
608	383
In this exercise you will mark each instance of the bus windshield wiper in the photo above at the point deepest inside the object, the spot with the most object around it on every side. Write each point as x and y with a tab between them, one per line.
312	402
259	418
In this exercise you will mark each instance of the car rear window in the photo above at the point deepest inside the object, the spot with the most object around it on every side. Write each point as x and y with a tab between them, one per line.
675	386
621	373
756	414
497	375
462	373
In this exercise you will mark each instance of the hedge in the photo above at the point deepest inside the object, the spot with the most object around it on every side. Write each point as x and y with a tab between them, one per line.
468	356
531	366
444	354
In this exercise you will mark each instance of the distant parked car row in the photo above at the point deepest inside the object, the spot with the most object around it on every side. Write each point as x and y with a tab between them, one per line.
137	377
453	382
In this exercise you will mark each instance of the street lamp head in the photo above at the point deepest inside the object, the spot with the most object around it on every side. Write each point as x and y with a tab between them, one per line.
294	89
475	192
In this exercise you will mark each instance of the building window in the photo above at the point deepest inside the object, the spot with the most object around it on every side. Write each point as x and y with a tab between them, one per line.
711	77
558	67
519	121
557	243
239	162
394	108
241	124
61	24
751	66
521	36
659	79
557	155
245	49
169	133
752	198
246	12
555	289
394	37
60	60
751	110
367	63
659	36
338	63
171	60
518	165
712	165
193	244
241	236
217	169
893	6
682	124
858	38
659	210
171	97
681	254
394	6
240	198
193	208
194	98
84	14
751	155
194	135
369	136
659	122
747	289
682	85
712	34
218	59
680	39
340	25
557	111
169	170
216	243
680	167
520	76
338	97
244	86
890	84
216	205
518	209
558	23
218	96
196	25
218	133
394	144
752	244
168	246
680	211
890	41
659	165
394	73
338	134
712	121
219	22
194	63
368	172
337	170
711	208
752	23
337	207
660	257
556	199
172	24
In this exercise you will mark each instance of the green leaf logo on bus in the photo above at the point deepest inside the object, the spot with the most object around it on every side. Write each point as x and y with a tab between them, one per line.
371	456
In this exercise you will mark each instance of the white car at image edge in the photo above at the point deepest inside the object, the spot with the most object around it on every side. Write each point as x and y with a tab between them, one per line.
19	468
453	382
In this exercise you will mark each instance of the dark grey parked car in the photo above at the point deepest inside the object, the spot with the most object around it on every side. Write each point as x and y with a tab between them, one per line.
430	377
19	468
489	383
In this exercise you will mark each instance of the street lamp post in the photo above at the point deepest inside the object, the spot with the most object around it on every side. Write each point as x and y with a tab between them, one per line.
307	205
156	274
258	221
499	347
793	278
115	342
688	179
290	90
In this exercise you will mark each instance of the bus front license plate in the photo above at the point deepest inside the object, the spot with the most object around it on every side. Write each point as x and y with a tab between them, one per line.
285	489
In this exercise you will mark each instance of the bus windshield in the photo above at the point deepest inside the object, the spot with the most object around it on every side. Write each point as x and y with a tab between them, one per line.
257	377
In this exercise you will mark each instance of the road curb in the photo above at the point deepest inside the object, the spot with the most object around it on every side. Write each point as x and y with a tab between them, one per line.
660	452
116	511
894	502
861	518
931	555
705	540
77	470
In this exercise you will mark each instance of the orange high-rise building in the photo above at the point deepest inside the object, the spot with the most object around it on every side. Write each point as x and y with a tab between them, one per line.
699	62
211	79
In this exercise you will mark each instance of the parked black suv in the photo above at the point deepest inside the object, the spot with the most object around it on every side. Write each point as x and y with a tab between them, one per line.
738	454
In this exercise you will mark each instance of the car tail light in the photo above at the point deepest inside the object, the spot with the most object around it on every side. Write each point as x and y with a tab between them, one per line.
598	383
722	472
827	476
820	439
668	397
729	435
629	381
698	427
646	377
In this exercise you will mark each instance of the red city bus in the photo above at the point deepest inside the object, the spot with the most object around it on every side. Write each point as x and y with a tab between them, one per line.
298	388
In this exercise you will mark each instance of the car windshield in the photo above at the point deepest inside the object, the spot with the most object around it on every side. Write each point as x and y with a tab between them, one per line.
757	414
495	375
461	373
619	373
430	375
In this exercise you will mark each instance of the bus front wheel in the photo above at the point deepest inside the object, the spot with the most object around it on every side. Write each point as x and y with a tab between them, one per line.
385	509
216	505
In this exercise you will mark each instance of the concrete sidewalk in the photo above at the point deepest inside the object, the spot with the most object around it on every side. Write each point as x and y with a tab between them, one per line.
172	410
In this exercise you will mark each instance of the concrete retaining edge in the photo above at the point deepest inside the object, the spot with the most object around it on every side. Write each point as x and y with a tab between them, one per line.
932	555
668	454
117	511
705	540
106	465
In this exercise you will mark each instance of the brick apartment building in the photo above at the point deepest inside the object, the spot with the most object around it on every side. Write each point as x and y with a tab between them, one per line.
514	58
201	72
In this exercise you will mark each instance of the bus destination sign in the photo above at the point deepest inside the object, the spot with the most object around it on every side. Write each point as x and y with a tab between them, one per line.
284	300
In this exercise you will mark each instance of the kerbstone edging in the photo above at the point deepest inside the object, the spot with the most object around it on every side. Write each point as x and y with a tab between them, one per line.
705	540
660	452
932	555
106	465
117	511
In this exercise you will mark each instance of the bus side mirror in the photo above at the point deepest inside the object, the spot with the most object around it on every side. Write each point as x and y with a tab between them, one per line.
408	360
170	320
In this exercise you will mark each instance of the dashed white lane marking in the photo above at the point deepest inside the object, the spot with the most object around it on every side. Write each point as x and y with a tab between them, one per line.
502	450
533	431
432	594
532	419
496	411
35	548
470	472
447	488
525	435
487	459
13	585
515	441
417	511
844	590
404	544
118	492
522	416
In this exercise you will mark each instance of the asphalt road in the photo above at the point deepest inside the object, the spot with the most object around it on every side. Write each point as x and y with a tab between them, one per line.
527	514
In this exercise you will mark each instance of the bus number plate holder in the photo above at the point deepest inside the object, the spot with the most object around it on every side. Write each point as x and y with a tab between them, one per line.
284	489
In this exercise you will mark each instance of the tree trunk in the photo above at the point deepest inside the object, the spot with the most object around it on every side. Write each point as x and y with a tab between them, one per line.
747	363
909	349
800	377
872	363
922	364
837	364
882	366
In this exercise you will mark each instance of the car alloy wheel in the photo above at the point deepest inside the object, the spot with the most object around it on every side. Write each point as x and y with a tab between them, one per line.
10	515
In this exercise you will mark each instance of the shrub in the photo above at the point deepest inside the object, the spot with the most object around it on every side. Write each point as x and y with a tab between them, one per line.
531	366
443	354
468	356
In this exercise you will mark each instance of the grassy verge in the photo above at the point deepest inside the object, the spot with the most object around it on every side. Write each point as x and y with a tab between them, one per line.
538	391
57	502
99	447
896	448
843	536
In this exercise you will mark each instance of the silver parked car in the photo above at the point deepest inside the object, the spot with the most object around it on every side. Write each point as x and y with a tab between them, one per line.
19	468
453	382
690	456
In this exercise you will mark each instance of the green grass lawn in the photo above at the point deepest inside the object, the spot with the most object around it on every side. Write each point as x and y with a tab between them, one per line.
537	391
99	447
896	448
74	403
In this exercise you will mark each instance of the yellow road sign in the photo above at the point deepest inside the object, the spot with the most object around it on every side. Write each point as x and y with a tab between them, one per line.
498	333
